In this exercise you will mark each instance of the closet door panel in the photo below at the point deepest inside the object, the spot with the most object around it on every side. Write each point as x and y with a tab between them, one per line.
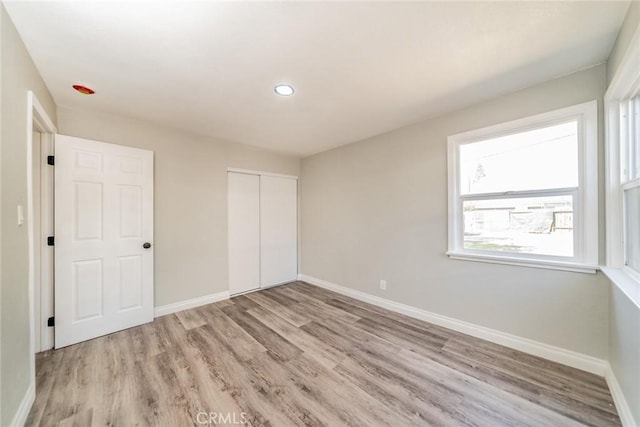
278	230
244	232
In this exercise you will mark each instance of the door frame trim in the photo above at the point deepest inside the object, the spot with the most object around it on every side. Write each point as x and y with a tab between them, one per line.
43	286
38	118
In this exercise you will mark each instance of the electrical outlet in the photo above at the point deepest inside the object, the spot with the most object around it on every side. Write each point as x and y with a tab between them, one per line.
383	285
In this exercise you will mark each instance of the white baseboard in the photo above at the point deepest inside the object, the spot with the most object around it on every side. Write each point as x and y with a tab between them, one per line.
623	408
190	303
536	348
21	415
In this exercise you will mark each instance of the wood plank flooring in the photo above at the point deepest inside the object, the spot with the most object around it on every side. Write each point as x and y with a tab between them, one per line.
301	355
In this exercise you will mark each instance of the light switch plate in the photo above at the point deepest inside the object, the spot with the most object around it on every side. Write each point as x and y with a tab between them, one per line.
20	215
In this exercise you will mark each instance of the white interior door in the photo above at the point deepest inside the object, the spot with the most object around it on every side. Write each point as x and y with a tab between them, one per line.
278	230
244	232
103	218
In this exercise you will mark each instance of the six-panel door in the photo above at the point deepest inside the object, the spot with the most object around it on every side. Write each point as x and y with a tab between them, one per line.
103	217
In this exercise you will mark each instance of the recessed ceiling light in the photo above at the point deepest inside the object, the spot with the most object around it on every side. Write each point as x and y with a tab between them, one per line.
284	90
84	89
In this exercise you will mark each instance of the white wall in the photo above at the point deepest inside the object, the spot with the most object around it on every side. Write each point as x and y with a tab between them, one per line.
377	209
18	76
190	196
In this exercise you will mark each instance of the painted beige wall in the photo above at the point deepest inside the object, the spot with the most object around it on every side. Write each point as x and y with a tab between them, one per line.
18	76
624	321
190	196
377	209
624	347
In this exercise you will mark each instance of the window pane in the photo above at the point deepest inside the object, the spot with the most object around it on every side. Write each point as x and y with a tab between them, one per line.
634	138
632	228
534	160
533	225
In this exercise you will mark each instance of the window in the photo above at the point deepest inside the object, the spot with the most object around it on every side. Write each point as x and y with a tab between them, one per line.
622	104
525	192
630	180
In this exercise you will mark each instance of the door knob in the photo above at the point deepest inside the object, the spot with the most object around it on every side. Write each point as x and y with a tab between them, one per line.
146	245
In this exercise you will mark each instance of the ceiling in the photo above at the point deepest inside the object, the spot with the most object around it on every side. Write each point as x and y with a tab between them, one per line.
359	68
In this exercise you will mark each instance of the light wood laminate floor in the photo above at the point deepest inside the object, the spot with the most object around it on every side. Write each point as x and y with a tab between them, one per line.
301	355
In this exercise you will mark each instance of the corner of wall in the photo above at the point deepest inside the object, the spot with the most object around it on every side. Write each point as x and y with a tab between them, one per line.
630	25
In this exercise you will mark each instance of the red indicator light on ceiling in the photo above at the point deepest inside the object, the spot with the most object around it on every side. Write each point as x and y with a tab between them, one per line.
84	90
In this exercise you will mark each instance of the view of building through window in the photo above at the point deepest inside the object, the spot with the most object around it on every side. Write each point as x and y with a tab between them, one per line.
518	191
539	225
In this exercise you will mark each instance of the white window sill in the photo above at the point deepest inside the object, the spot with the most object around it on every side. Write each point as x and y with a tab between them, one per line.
627	284
525	262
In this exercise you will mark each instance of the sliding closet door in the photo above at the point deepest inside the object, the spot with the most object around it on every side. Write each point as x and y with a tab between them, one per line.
244	232
278	230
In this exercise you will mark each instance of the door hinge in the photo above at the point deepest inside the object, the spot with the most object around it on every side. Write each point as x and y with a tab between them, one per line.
51	160
50	241
51	321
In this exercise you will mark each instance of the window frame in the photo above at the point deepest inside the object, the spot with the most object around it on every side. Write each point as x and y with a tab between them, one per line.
624	86
585	196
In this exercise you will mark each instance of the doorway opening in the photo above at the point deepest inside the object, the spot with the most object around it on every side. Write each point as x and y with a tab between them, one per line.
40	145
